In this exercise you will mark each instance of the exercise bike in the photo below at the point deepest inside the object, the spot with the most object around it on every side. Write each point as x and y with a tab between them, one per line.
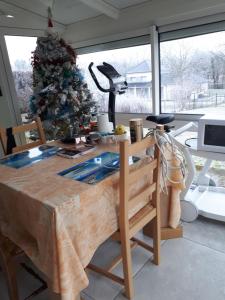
117	85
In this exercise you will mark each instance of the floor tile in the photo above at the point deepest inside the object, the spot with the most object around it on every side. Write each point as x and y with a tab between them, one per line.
99	286
188	271
207	232
86	297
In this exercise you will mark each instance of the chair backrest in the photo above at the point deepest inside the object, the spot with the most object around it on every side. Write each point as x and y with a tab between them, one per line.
129	175
35	125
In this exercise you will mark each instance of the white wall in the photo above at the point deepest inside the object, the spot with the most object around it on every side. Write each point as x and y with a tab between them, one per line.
7	117
137	19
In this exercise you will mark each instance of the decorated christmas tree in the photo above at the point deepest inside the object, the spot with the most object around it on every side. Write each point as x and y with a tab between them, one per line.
61	97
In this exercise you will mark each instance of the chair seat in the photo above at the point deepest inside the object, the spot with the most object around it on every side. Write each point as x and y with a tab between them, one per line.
138	221
144	216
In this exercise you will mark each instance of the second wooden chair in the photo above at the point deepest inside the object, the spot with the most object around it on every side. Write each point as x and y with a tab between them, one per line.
35	125
128	227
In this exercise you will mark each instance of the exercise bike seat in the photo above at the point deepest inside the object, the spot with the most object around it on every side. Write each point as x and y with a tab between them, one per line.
161	119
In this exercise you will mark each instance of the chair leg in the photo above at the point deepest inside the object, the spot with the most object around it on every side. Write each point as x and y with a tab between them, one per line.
8	267
156	240
127	268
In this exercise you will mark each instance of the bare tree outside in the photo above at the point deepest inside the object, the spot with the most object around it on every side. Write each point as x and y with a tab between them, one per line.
194	69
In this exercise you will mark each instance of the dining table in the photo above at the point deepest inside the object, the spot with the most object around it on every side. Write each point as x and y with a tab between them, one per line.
59	222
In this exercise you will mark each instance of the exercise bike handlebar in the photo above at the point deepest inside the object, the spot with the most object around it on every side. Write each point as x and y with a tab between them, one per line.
96	80
183	129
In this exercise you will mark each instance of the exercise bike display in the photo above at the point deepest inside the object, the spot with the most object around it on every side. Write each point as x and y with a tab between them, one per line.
117	85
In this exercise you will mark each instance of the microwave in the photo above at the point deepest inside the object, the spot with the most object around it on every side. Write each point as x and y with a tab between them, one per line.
211	133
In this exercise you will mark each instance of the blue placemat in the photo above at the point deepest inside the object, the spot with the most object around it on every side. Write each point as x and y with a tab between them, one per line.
96	169
29	157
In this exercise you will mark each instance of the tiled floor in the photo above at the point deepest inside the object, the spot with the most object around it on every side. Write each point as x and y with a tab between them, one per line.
192	268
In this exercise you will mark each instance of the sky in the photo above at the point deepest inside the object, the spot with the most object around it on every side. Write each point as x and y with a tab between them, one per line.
207	42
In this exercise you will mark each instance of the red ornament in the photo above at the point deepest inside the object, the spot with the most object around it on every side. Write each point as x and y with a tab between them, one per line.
50	24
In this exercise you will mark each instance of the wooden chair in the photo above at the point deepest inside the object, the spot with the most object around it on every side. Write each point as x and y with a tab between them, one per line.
8	250
128	227
36	125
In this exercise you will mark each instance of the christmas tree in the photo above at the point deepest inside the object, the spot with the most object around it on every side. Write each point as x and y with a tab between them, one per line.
61	97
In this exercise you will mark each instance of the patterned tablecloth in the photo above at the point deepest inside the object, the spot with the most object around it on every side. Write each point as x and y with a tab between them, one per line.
57	221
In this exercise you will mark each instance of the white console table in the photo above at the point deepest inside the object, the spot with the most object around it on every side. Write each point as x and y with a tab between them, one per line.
203	200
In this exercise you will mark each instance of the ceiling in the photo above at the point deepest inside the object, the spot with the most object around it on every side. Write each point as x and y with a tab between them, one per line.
66	12
89	19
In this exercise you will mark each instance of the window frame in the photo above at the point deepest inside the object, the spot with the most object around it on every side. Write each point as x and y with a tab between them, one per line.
117	44
156	36
174	31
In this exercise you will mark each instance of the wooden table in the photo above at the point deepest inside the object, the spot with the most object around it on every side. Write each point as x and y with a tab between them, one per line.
58	222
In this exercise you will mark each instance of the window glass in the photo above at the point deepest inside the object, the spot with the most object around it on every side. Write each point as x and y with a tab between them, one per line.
193	74
134	63
20	50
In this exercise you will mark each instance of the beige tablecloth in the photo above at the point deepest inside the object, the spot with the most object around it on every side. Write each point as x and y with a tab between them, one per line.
58	222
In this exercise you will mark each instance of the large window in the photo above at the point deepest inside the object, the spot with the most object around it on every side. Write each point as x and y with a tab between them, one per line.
134	63
193	74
